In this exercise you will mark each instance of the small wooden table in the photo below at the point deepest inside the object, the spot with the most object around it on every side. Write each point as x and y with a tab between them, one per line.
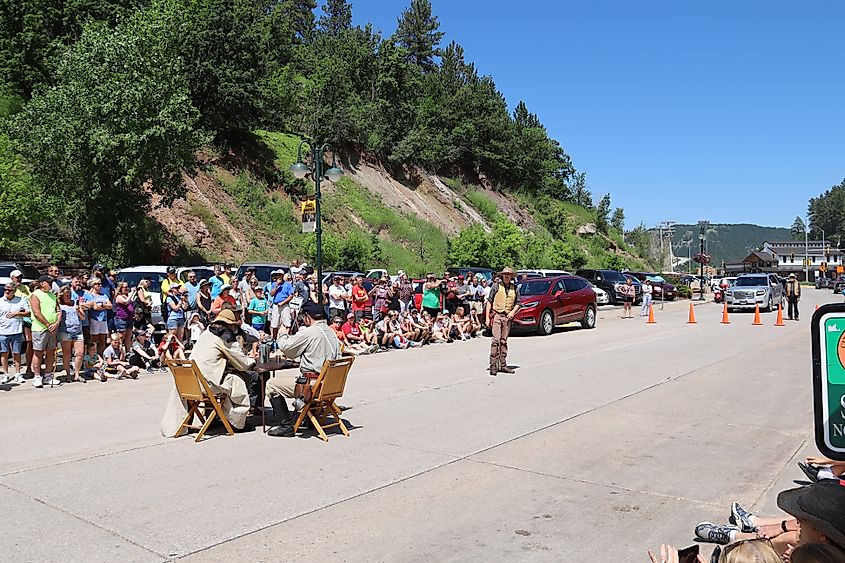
264	370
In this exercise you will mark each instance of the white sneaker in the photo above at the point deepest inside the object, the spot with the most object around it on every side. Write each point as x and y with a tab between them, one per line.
7	378
37	382
19	378
50	379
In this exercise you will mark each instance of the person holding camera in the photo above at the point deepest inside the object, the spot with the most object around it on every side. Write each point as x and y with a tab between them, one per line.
312	345
432	291
502	307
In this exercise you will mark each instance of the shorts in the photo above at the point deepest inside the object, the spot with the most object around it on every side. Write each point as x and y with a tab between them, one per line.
120	325
43	340
432	311
11	343
175	322
97	327
258	327
67	337
280	316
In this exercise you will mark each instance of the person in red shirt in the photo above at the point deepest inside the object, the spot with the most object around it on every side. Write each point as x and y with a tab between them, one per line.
224	297
360	299
354	338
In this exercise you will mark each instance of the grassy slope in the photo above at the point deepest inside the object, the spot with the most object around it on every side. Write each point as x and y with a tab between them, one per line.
406	241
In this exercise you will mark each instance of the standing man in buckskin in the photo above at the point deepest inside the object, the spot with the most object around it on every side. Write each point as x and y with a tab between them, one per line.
502	307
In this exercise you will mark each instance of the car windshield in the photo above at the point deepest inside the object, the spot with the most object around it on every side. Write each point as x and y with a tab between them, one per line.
262	273
202	274
539	287
132	278
658	279
751	281
5	271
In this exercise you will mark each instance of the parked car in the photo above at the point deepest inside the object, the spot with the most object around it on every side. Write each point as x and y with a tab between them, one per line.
548	302
30	273
602	298
262	270
687	279
156	274
839	286
202	272
329	276
661	289
467	272
525	274
751	290
825	282
611	281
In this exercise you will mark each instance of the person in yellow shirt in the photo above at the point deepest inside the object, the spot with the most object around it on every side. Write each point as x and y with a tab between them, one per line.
226	276
171	279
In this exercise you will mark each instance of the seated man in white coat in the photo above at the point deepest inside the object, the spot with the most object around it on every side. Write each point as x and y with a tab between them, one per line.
214	352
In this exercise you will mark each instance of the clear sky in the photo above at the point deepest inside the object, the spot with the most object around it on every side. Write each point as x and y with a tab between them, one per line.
729	111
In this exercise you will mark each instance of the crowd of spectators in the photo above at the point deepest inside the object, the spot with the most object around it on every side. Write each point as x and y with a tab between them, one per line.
95	327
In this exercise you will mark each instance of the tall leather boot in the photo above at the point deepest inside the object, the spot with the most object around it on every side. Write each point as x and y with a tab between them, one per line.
282	416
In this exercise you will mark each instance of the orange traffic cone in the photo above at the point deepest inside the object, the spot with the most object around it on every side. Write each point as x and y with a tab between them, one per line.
691	320
757	320
817	306
651	320
779	322
725	319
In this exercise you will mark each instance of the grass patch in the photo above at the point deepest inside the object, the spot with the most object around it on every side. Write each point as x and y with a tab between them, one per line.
402	233
482	203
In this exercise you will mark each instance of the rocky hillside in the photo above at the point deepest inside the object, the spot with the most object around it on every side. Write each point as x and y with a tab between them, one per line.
242	205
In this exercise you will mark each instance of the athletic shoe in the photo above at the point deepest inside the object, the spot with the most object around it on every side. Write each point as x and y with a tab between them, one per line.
37	382
711	533
742	518
811	471
6	379
19	378
50	379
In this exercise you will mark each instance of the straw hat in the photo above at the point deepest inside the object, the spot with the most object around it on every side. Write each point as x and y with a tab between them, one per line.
507	270
226	316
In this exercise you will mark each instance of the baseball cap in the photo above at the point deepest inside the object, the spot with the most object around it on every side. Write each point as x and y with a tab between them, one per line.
171	269
313	310
45	278
15	273
350	316
820	504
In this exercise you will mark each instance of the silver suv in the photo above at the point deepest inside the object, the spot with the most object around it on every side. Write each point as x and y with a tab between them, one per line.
750	290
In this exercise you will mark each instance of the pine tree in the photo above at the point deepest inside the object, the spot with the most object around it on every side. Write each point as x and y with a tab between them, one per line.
798	228
602	212
617	220
337	17
418	32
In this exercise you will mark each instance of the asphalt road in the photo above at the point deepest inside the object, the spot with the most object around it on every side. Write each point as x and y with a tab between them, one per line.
605	442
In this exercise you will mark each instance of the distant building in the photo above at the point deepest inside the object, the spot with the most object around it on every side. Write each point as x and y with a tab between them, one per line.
791	257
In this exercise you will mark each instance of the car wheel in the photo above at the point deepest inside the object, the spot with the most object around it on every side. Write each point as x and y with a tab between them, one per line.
547	323
589	320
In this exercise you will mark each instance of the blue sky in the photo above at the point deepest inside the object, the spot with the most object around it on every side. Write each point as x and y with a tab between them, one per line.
728	111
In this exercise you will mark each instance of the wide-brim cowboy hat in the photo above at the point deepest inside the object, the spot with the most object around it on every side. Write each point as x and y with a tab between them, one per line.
226	316
507	270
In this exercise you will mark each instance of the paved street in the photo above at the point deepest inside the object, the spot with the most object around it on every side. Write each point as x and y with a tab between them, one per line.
604	443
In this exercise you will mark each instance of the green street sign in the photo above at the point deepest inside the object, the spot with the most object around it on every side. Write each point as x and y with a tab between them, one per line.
828	333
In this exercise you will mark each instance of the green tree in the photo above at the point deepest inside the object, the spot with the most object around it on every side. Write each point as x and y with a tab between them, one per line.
419	32
33	34
117	128
580	193
617	220
224	45
506	244
337	17
614	262
798	229
602	212
471	248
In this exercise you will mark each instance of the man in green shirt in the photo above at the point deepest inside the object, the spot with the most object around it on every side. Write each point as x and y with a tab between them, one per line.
46	317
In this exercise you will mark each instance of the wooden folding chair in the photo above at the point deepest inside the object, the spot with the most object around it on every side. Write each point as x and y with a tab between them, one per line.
328	387
196	392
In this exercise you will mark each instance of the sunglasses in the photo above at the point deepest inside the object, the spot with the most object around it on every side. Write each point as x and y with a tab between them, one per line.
7	290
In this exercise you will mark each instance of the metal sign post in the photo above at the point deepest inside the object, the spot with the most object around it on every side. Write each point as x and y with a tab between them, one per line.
828	334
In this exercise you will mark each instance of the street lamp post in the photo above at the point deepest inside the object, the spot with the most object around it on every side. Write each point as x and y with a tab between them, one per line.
701	250
301	170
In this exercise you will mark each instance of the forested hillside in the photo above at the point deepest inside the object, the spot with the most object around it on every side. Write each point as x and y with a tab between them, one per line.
164	130
726	242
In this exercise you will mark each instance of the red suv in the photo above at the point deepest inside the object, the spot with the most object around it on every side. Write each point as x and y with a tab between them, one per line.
548	302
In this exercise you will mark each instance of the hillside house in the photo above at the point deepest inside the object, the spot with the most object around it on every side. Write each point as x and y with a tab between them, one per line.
787	257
